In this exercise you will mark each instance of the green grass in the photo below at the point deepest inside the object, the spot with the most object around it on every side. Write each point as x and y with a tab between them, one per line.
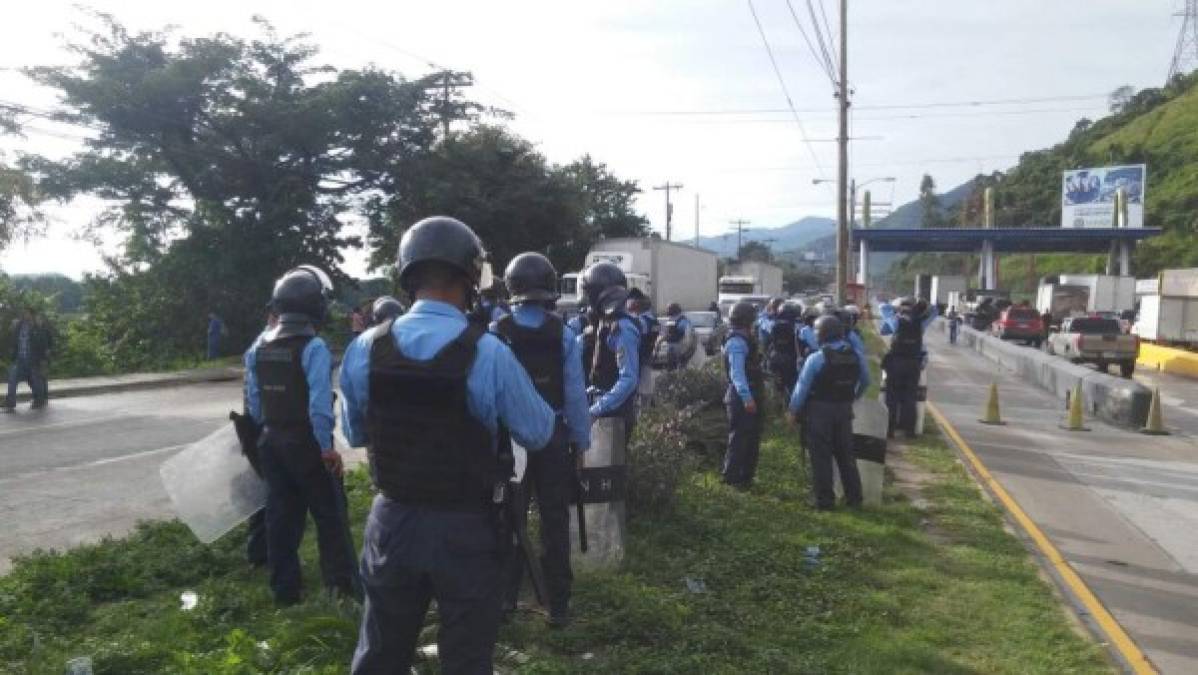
898	590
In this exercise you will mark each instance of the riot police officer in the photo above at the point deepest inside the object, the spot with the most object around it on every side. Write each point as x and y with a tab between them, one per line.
426	394
384	309
289	393
904	360
673	334
640	307
832	378
783	352
611	345
549	351
742	369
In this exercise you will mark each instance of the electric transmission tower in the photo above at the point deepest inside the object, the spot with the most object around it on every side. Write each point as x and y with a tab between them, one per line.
1185	55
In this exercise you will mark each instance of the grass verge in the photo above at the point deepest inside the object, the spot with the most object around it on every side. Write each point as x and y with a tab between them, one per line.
900	589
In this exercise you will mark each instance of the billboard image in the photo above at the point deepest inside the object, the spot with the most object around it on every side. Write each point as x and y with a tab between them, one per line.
1088	195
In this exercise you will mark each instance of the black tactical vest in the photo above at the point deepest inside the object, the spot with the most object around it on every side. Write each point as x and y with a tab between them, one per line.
674	330
649	339
605	369
837	382
426	448
539	350
908	338
782	339
282	383
753	372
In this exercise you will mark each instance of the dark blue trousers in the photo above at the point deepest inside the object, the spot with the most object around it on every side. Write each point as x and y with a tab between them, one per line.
829	431
300	484
744	439
550	475
412	555
902	392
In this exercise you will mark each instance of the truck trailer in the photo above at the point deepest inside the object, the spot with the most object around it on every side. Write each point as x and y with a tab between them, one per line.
1169	308
666	271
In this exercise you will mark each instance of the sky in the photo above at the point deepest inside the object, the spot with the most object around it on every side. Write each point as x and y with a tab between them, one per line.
658	90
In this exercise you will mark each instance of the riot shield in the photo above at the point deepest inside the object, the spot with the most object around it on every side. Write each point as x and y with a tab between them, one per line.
211	485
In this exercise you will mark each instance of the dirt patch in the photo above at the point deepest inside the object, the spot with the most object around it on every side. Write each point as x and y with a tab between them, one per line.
910	480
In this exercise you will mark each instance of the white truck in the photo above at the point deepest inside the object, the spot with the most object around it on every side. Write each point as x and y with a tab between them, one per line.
748	280
1169	308
666	271
1062	301
1106	293
943	285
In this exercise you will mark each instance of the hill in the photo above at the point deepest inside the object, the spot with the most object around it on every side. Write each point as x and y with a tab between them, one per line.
786	238
1157	127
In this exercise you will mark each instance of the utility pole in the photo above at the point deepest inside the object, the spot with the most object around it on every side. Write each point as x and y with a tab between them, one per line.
842	179
696	220
740	229
449	82
669	206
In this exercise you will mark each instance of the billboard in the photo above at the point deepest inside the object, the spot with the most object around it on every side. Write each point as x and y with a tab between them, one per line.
1088	195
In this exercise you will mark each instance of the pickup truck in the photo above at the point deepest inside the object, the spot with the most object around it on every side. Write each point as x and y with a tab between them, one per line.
1096	340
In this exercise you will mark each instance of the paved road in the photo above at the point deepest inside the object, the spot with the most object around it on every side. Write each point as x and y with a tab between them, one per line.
85	468
1121	507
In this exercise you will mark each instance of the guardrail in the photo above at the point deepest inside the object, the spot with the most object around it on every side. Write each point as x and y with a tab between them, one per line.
1113	399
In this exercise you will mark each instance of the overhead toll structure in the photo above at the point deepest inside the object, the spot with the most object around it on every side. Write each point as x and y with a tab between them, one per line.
980	240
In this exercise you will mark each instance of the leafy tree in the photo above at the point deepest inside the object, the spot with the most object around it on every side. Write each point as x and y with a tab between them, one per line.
755	250
19	214
1120	97
227	161
933	212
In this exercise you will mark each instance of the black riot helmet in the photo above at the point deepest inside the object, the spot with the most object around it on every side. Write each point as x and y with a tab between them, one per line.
605	287
385	308
920	309
829	328
673	309
302	294
742	315
530	277
443	240
790	311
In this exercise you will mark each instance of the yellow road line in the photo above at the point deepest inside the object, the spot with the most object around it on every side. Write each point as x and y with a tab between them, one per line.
1127	648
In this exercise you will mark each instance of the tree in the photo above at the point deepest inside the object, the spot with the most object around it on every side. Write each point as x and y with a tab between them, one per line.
755	250
19	214
1118	99
933	212
495	182
234	159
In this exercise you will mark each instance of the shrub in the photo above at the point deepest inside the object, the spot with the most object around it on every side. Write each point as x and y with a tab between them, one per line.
701	387
658	458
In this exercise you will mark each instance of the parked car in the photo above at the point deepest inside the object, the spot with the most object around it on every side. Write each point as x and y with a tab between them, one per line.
709	330
1097	340
1019	323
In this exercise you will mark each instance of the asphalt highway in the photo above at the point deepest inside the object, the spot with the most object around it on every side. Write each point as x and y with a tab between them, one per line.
1121	507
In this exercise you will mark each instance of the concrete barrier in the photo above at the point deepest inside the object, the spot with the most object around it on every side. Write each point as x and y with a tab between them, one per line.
1168	359
1113	399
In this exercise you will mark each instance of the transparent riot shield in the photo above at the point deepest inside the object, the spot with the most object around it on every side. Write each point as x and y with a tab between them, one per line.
211	485
603	482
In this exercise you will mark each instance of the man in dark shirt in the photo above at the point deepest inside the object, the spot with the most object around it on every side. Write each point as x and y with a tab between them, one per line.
30	355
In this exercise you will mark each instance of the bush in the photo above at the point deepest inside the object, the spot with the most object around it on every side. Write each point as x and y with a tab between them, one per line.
658	458
699	387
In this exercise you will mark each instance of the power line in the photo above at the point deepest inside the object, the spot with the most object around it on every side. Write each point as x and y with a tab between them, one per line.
827	26
819	59
819	38
785	92
892	106
900	117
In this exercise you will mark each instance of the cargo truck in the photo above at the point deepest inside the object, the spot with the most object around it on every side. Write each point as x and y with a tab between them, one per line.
1106	293
1169	308
666	271
1062	301
941	286
751	278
